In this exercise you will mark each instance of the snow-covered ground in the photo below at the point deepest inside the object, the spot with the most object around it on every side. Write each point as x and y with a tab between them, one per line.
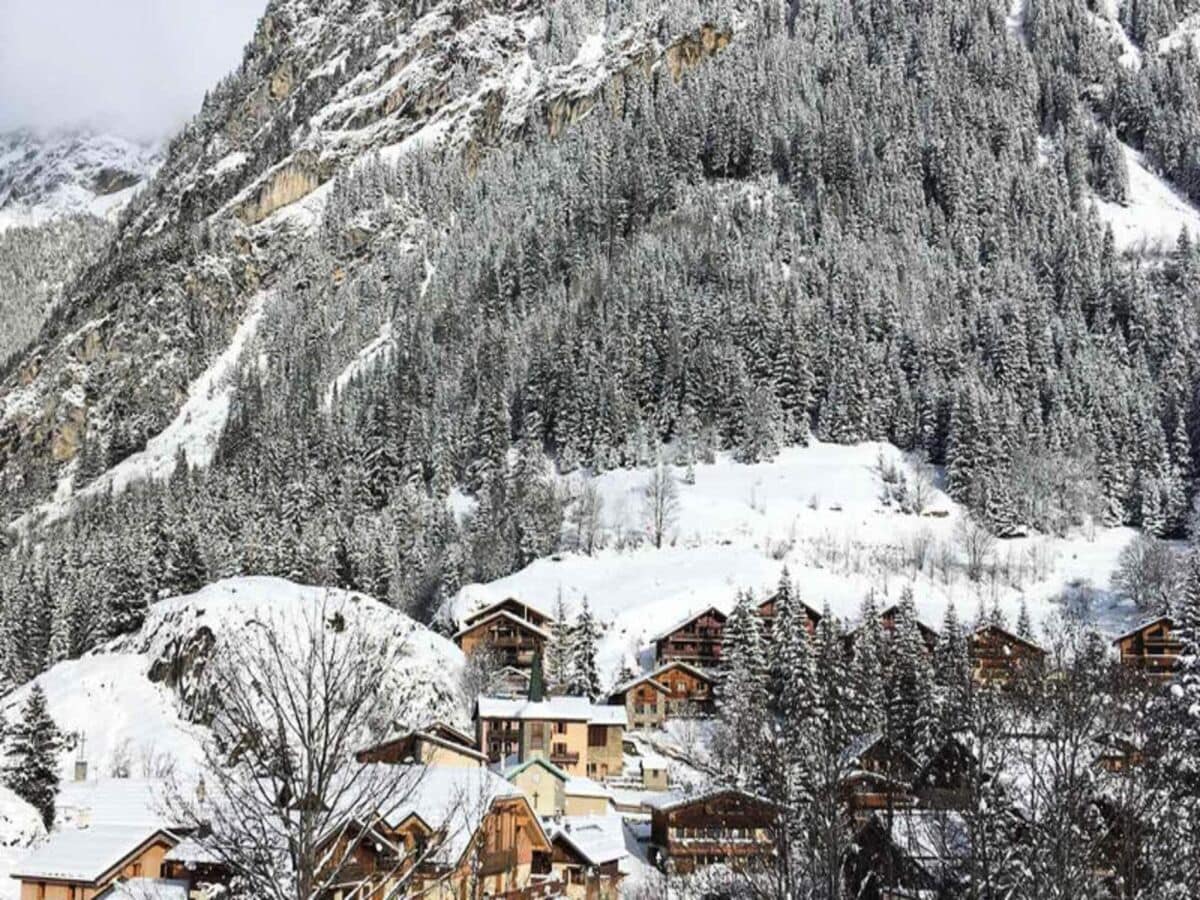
815	509
1155	213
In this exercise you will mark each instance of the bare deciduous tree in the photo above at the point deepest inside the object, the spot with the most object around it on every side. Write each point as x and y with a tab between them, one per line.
587	520
660	503
1147	573
976	543
286	806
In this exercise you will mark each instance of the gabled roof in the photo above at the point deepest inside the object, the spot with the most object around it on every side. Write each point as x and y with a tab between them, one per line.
811	611
634	682
654	676
484	612
502	614
864	743
1149	623
426	736
585	787
85	855
928	631
595	839
673	800
691	618
554	770
1004	632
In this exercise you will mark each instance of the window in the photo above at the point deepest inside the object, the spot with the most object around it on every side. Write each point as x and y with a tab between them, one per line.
597	736
560	727
560	749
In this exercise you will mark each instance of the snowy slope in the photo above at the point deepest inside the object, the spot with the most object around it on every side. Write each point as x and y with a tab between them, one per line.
44	178
1155	213
814	509
142	681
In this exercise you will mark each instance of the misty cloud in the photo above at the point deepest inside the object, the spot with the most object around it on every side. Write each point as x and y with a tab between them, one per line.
137	68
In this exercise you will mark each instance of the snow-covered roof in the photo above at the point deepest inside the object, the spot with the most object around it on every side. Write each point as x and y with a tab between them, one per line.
428	737
112	801
598	839
476	615
652	677
562	709
85	854
1015	638
653	761
189	850
585	787
691	617
937	835
504	614
609	715
670	800
145	889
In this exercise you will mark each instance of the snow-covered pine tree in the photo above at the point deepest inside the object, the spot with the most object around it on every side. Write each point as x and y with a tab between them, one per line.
867	674
585	680
742	692
559	656
952	674
911	721
33	747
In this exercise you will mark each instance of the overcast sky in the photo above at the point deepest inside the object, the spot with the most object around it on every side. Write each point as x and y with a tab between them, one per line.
138	68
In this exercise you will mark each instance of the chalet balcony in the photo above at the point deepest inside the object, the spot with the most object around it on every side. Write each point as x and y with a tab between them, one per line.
513	642
564	759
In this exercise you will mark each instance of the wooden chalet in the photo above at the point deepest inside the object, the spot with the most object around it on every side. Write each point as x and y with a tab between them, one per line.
437	745
948	778
463	832
509	681
767	610
514	640
645	701
697	640
887	621
1116	753
910	854
513	607
998	656
675	690
1152	648
81	863
876	774
722	827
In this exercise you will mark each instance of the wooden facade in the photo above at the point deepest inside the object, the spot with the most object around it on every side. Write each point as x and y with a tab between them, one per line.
513	640
699	640
645	701
724	827
887	621
508	855
999	656
1152	648
878	775
767	609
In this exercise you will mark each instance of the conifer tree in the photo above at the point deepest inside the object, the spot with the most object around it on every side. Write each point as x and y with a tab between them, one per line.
33	747
867	674
585	680
559	660
952	674
911	714
742	693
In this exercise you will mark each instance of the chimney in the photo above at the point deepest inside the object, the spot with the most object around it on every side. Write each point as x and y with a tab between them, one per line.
200	791
81	770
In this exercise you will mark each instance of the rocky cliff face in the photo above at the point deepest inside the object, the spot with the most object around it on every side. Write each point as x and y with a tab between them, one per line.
321	85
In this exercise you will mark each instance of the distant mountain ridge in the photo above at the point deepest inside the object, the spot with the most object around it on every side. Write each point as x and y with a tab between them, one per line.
45	178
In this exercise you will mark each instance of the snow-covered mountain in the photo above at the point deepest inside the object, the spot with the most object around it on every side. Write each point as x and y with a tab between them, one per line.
46	178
